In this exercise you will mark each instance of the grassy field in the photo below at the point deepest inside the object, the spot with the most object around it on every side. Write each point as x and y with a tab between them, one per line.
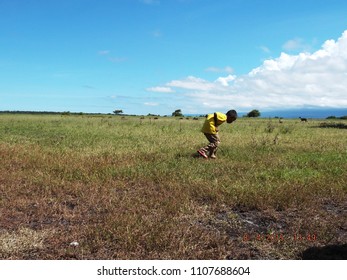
107	187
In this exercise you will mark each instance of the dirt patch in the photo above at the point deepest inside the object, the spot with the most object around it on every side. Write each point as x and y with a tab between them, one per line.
339	125
288	234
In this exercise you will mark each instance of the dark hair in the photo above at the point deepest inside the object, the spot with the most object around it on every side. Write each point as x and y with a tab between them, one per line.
232	113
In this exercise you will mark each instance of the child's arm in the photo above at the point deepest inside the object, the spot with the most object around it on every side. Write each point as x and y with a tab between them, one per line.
215	121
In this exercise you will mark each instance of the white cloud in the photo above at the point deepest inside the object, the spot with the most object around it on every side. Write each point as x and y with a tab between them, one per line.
226	69
192	83
265	49
305	79
151	104
104	52
294	45
160	89
224	81
107	55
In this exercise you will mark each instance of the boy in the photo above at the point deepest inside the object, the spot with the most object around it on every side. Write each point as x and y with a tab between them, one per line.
210	129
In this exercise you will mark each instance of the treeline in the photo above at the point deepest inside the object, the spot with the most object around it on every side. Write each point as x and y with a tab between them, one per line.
50	113
334	118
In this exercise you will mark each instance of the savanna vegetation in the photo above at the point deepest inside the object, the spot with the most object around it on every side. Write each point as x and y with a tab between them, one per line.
113	187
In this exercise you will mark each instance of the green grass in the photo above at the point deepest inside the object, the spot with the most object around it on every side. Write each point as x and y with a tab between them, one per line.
131	188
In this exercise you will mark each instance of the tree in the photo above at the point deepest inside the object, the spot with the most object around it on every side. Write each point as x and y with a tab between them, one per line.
118	112
253	114
177	113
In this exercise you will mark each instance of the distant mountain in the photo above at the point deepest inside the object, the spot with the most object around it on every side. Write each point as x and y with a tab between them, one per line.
313	113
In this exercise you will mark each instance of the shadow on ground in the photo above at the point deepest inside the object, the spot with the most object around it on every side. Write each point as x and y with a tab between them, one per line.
330	252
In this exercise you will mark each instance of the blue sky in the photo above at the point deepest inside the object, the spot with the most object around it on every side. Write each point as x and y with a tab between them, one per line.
155	56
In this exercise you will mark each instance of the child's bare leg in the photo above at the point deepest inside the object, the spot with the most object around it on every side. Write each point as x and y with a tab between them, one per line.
211	148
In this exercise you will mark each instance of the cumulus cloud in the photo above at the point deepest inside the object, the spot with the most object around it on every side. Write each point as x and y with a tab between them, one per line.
289	81
224	81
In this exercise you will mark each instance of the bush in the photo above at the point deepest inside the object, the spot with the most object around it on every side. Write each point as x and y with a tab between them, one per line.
253	114
177	113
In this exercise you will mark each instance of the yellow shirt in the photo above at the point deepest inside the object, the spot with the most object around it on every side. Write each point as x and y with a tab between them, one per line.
210	125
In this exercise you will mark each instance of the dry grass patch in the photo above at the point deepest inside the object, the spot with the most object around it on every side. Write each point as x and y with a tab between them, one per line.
22	242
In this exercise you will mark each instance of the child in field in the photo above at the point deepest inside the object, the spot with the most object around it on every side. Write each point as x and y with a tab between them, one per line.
210	129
